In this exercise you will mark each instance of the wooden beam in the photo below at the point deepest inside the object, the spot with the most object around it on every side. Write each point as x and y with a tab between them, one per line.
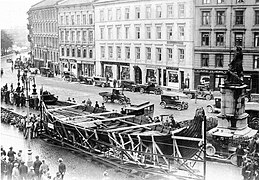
108	119
63	107
187	138
88	115
133	127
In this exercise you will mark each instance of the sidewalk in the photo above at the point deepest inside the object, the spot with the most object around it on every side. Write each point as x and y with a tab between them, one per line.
19	110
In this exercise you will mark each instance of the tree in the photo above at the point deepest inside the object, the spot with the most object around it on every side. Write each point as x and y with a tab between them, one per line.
6	42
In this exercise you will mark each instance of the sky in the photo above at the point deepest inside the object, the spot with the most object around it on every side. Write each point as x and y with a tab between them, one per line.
13	13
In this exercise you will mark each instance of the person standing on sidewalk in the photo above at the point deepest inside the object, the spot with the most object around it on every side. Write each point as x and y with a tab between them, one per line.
36	166
3	168
11	154
15	172
23	169
61	168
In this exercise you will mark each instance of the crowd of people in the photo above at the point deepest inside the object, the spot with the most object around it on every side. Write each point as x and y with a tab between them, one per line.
13	167
16	96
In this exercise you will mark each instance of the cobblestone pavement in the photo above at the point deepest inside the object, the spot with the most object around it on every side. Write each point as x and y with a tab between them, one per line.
80	92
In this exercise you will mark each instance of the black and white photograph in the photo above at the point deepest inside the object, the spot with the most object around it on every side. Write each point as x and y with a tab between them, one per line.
129	89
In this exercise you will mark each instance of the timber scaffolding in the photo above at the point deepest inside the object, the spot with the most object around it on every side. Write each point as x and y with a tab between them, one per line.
124	141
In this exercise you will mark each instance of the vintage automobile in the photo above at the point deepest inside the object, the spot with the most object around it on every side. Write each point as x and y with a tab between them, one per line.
45	71
127	85
202	92
213	108
172	100
147	88
116	94
34	70
48	98
69	76
85	80
100	81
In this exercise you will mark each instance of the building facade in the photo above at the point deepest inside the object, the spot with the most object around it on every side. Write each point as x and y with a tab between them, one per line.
220	26
145	41
76	37
43	34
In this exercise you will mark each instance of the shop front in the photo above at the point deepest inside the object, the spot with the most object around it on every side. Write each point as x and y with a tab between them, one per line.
115	70
85	68
211	78
172	77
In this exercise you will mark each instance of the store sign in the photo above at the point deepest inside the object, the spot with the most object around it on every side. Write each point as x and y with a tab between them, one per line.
172	68
210	71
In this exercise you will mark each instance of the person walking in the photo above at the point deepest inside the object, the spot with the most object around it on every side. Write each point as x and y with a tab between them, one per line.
89	102
96	107
11	154
23	169
31	174
114	83
3	152
44	168
15	172
36	166
3	167
9	169
61	168
240	153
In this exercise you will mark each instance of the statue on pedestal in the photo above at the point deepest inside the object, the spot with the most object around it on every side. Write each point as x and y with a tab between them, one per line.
235	70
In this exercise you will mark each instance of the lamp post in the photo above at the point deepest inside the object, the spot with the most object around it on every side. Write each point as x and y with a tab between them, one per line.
28	123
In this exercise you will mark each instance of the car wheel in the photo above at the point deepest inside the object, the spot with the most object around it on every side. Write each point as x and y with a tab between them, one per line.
163	104
209	109
141	90
105	98
133	89
179	108
208	97
103	85
189	96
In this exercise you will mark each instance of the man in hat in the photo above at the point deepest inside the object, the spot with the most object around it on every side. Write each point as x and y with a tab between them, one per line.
44	168
11	154
3	167
23	169
36	165
15	172
31	174
3	153
61	168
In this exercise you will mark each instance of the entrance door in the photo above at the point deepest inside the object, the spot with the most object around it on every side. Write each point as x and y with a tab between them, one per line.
164	77
182	79
138	75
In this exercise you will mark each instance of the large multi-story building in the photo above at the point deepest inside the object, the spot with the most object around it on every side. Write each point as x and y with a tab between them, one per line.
43	34
145	41
220	26
76	37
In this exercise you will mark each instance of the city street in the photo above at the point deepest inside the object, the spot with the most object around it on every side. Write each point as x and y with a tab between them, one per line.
78	166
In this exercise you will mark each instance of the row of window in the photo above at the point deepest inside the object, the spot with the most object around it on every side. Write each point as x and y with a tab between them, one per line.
76	19
150	12
45	14
76	52
77	36
45	27
43	54
50	42
220	39
239	17
219	61
117	53
149	32
223	1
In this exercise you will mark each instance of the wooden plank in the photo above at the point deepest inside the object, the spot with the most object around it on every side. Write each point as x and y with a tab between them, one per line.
187	138
133	127
65	107
89	115
134	124
108	119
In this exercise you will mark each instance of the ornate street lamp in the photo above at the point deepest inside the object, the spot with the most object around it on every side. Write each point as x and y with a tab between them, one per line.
29	124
